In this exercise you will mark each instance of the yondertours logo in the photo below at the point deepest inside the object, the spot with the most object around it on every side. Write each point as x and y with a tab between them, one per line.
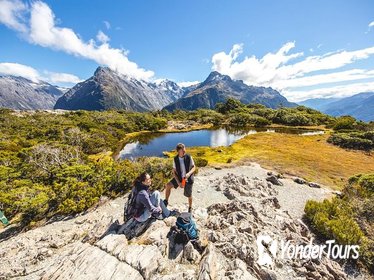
270	248
267	250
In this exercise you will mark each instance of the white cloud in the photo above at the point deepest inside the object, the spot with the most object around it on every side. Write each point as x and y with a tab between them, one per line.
318	47
325	62
64	78
285	71
107	24
43	31
11	14
187	84
28	72
336	91
102	37
343	76
370	25
252	70
16	69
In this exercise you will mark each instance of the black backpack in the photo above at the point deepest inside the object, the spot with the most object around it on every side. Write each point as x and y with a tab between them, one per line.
180	236
130	209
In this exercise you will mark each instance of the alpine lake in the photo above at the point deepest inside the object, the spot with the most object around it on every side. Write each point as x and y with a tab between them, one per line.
153	144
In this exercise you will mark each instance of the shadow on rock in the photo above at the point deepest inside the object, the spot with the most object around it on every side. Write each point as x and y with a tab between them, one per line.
131	229
176	243
180	243
10	231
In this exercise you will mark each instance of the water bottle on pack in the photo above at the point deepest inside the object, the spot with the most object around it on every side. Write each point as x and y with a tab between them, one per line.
183	182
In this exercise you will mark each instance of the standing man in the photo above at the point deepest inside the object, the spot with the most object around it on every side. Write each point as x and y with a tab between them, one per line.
183	169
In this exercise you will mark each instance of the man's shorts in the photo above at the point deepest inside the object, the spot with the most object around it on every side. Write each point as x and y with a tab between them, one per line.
187	189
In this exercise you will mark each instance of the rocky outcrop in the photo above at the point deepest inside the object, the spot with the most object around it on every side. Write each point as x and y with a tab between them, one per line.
274	180
300	181
93	246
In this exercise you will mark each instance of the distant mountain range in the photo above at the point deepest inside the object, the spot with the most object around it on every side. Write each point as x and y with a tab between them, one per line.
218	88
360	106
107	89
320	104
23	94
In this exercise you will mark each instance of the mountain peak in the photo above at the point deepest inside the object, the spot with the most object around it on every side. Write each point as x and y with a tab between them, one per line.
101	70
163	82
109	89
218	87
216	76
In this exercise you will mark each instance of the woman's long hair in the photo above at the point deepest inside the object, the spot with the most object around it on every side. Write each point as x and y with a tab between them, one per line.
141	178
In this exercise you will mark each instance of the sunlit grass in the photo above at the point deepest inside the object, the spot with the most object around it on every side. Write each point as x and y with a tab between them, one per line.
310	157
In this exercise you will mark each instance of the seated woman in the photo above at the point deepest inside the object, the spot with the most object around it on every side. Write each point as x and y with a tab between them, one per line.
148	204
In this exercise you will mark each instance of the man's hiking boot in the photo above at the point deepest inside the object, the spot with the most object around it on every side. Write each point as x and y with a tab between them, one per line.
158	216
174	213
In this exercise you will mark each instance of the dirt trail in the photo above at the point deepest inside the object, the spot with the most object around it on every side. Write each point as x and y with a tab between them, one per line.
292	196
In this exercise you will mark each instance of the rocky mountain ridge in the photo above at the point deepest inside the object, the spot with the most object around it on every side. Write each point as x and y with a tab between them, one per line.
218	88
107	89
22	94
360	106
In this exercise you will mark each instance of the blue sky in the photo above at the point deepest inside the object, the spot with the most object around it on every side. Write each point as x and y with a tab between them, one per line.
302	48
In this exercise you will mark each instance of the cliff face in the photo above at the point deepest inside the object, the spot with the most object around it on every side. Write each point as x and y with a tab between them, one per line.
232	209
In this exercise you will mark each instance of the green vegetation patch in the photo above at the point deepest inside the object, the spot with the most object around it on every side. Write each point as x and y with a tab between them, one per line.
349	219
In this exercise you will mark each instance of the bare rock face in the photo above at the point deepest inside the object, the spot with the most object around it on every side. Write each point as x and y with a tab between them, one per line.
108	89
93	246
22	94
218	88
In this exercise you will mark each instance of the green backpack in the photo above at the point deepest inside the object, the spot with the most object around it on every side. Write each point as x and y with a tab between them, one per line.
3	219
